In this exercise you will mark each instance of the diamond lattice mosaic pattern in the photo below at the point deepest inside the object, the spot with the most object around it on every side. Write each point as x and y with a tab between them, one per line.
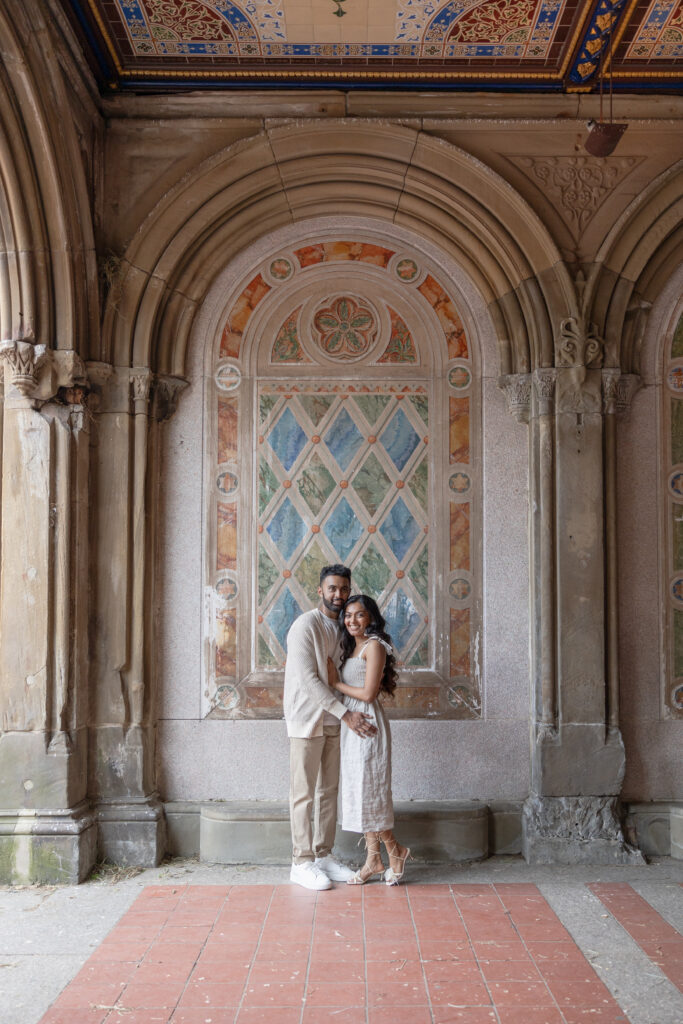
351	472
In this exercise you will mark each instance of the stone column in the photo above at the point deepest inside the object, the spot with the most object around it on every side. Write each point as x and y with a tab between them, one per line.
47	832
123	724
577	754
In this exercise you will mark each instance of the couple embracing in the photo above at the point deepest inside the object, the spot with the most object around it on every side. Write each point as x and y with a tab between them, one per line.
339	659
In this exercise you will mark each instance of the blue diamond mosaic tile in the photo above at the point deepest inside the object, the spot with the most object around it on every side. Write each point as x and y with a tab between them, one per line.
343	529
287	439
399	439
343	439
282	615
287	529
399	529
402	619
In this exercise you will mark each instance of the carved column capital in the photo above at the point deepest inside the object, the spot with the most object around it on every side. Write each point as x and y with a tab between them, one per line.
578	344
627	385
545	380
140	386
24	360
610	385
165	394
517	390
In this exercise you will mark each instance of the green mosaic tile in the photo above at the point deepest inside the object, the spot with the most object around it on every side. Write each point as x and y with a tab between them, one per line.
677	343
371	574
419	483
422	405
308	571
265	655
267	573
316	407
678	643
419	573
371	483
315	484
420	658
676	430
266	405
677	533
372	406
268	484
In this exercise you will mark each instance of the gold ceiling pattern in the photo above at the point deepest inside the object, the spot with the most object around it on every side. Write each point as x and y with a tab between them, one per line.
508	44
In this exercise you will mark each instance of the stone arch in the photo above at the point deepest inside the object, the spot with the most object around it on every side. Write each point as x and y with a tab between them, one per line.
633	265
265	364
388	172
45	226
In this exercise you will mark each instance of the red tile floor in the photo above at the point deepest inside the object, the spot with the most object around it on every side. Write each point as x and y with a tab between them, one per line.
416	954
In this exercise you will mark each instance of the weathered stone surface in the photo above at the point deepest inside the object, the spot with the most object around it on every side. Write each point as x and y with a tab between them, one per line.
131	833
676	826
235	833
577	760
575	830
47	847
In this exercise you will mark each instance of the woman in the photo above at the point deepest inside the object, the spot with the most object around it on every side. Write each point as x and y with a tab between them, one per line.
367	668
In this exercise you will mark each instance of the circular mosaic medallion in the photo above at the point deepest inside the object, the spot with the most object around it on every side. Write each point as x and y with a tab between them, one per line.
459	377
406	270
226	588
677	589
281	269
460	588
677	697
227	697
675	378
676	485
228	377
460	483
227	483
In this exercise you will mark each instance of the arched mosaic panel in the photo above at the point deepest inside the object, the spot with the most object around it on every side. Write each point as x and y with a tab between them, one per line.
673	601
342	405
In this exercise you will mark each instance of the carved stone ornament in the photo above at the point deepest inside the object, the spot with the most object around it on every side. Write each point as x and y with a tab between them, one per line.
576	185
627	385
610	388
578	344
517	390
24	360
140	384
581	818
165	395
37	372
544	383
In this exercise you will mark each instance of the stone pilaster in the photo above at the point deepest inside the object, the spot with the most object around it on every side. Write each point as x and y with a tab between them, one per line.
131	403
47	832
577	754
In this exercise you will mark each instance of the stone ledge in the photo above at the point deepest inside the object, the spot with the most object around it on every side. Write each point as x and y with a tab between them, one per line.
258	833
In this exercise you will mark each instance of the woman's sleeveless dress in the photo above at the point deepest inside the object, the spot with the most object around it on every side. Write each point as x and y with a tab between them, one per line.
365	761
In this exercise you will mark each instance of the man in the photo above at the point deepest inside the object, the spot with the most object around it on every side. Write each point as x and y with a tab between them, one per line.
313	714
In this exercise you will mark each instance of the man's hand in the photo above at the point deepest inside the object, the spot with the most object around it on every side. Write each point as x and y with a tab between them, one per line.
360	723
332	674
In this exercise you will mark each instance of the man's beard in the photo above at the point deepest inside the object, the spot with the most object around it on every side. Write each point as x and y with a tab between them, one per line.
332	607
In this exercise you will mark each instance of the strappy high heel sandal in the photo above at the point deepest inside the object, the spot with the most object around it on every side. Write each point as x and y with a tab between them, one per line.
374	854
391	876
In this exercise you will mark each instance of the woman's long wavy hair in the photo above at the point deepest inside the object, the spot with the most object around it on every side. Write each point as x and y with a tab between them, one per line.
377	627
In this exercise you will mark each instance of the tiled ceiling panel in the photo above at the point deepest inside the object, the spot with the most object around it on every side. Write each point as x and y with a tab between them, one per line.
508	44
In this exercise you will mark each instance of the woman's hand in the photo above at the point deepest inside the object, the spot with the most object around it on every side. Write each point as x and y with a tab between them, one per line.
332	674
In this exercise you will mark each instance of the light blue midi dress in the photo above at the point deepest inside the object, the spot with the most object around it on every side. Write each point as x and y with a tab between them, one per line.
365	761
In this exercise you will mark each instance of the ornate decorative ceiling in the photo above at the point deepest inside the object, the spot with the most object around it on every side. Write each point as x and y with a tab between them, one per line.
477	44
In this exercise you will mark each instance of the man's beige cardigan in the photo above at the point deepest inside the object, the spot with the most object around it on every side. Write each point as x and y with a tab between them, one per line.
312	638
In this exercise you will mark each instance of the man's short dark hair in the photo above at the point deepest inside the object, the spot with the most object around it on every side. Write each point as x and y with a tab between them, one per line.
334	570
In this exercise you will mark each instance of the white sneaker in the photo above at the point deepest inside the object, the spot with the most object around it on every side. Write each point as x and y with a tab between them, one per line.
309	875
333	869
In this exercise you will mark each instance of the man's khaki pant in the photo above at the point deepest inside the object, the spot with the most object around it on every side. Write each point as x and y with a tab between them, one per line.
313	779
